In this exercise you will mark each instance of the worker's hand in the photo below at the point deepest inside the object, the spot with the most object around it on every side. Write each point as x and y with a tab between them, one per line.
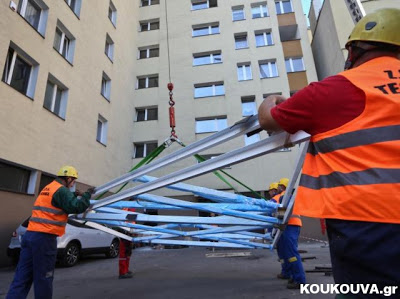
78	193
90	190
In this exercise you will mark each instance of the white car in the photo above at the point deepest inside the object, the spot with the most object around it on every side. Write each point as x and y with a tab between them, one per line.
76	242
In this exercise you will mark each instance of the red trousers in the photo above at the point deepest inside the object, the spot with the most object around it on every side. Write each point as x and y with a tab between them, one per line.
125	252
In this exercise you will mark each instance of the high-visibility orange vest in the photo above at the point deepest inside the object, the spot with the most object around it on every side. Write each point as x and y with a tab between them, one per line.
46	218
294	218
353	172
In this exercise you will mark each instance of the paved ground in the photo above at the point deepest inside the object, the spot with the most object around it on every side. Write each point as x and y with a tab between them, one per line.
183	273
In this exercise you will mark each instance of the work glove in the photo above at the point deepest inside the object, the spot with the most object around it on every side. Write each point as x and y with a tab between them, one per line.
90	190
78	193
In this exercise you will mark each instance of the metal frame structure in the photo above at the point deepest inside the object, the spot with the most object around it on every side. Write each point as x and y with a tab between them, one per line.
238	216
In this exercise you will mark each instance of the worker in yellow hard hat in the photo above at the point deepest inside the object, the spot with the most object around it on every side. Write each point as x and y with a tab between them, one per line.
39	244
273	189
351	173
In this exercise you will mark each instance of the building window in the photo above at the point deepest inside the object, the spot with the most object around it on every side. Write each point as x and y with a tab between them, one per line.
14	178
64	42
251	139
211	124
75	5
149	25
148	52
264	39
268	69
259	10
284	6
249	106
294	65
20	71
147	82
45	180
109	48
112	13
141	150
201	30
203	4
241	41
102	128
244	71
209	90
144	114
150	2
209	58
35	13
56	97
238	13
106	86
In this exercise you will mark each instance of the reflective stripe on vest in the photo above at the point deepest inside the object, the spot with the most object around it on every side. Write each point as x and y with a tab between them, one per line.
45	217
353	172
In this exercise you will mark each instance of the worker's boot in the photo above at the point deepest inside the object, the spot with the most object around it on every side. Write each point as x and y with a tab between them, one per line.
126	275
281	276
293	285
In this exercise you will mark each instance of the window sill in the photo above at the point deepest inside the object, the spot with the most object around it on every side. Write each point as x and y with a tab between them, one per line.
101	143
238	20
144	121
114	25
73	11
17	192
18	91
146	88
70	63
112	61
207	64
302	71
205	35
53	113
244	80
255	18
242	48
212	96
265	46
148	57
269	77
42	35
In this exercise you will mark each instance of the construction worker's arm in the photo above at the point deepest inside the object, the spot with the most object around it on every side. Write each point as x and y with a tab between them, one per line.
69	203
265	118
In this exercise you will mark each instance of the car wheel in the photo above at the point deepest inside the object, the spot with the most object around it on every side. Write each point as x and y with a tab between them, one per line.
71	255
113	250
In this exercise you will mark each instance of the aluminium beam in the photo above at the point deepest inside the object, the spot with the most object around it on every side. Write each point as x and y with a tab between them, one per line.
254	150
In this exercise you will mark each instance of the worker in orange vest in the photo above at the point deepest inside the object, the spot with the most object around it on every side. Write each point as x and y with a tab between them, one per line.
292	267
351	172
273	189
39	243
125	253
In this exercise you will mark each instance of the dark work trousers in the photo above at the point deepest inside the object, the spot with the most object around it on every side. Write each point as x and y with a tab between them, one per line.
365	253
288	253
125	252
36	264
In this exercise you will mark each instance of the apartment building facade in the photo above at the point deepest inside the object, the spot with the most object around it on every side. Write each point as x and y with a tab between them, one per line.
331	23
85	83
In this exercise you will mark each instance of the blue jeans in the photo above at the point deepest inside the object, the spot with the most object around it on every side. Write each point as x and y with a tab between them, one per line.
365	253
292	267
36	264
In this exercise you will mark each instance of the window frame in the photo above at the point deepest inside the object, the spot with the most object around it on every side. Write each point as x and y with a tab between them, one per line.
213	85
147	80
66	36
269	63
238	36
281	7
248	99
148	24
146	113
57	86
236	9
260	6
217	124
43	14
28	181
290	61
102	130
211	55
242	69
145	150
148	49
9	69
265	38
109	47
209	28
206	2
106	87
77	7
150	2
112	13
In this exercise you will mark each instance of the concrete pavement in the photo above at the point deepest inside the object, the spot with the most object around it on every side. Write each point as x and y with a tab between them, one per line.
183	273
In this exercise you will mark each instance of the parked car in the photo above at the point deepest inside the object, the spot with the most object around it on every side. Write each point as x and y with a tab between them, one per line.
77	241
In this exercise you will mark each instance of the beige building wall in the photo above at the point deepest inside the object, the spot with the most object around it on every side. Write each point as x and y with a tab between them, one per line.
331	29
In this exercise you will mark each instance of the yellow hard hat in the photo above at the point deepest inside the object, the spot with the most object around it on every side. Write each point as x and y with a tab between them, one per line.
380	26
273	185
284	182
68	171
